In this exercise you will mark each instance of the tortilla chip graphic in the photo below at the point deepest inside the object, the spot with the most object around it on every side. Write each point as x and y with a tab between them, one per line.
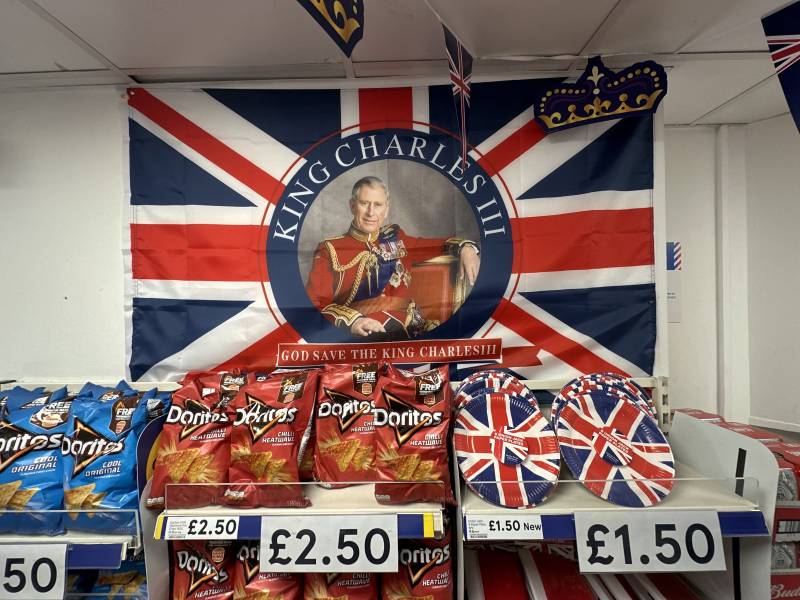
197	470
7	491
257	462
274	469
21	498
405	466
423	471
177	463
343	452
74	497
363	458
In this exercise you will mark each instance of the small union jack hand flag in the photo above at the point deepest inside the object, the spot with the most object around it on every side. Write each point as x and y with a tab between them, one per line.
461	78
782	29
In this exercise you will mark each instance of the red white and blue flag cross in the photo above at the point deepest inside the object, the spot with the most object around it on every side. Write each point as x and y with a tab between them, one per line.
460	62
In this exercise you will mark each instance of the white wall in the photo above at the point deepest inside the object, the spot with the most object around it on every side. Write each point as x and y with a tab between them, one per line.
691	188
773	189
60	214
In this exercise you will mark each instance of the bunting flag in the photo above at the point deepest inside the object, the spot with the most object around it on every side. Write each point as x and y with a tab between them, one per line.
782	29
232	191
460	62
342	20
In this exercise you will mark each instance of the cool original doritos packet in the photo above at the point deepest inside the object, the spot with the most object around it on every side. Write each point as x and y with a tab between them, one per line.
194	445
270	432
31	435
100	458
412	436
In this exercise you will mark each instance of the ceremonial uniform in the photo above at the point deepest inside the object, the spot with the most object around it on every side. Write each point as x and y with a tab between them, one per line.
369	275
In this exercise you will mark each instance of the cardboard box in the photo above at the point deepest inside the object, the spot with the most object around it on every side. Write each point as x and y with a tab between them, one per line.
762	435
700	414
785	585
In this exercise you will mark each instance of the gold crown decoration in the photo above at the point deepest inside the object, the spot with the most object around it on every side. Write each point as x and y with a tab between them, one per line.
601	94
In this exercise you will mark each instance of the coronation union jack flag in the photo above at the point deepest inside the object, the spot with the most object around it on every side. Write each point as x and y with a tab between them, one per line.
220	182
782	29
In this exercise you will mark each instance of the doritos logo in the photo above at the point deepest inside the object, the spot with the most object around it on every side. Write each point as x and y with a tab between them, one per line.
15	443
404	418
260	417
418	561
248	556
200	570
86	445
344	407
194	416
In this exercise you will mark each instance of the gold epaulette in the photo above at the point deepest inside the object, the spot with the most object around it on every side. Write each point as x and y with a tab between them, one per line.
342	315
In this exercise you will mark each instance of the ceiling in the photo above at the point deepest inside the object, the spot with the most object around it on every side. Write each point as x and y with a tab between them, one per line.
719	67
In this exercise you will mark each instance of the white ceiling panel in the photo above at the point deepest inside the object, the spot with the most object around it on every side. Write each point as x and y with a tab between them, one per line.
738	28
515	27
763	102
197	33
658	26
696	87
28	44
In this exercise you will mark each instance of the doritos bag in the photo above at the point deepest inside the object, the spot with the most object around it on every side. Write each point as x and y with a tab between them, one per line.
31	435
194	447
412	436
225	384
202	570
270	429
128	581
345	430
100	459
250	584
17	396
341	586
425	572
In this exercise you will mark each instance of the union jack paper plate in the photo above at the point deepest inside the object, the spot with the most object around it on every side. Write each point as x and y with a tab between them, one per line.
481	375
491	383
507	451
610	383
615	449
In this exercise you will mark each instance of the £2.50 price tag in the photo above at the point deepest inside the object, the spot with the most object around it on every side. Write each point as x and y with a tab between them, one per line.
33	571
648	541
201	528
329	544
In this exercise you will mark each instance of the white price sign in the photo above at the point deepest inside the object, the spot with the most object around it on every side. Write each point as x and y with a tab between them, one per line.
201	528
29	571
329	544
649	541
522	527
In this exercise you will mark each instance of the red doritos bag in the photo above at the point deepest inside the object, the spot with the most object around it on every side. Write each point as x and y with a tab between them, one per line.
425	572
412	436
341	586
345	433
194	446
250	584
271	427
202	570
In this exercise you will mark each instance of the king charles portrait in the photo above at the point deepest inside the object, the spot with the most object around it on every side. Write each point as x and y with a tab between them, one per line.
382	284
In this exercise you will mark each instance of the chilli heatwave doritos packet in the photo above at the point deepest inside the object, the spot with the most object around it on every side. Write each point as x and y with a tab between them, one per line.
270	431
100	459
250	584
194	447
412	436
426	572
345	428
31	434
341	586
202	570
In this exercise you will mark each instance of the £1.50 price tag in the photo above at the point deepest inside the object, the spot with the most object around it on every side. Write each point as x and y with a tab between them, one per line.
522	527
33	571
201	528
648	541
329	544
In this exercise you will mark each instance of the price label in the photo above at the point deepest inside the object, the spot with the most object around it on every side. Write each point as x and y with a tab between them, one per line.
329	544
201	528
642	541
522	527
33	571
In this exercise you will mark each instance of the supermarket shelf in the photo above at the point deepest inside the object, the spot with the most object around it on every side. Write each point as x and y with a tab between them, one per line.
414	520
85	550
738	516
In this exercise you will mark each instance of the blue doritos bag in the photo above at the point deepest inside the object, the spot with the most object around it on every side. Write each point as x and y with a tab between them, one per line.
129	582
18	396
102	392
31	434
158	405
100	461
